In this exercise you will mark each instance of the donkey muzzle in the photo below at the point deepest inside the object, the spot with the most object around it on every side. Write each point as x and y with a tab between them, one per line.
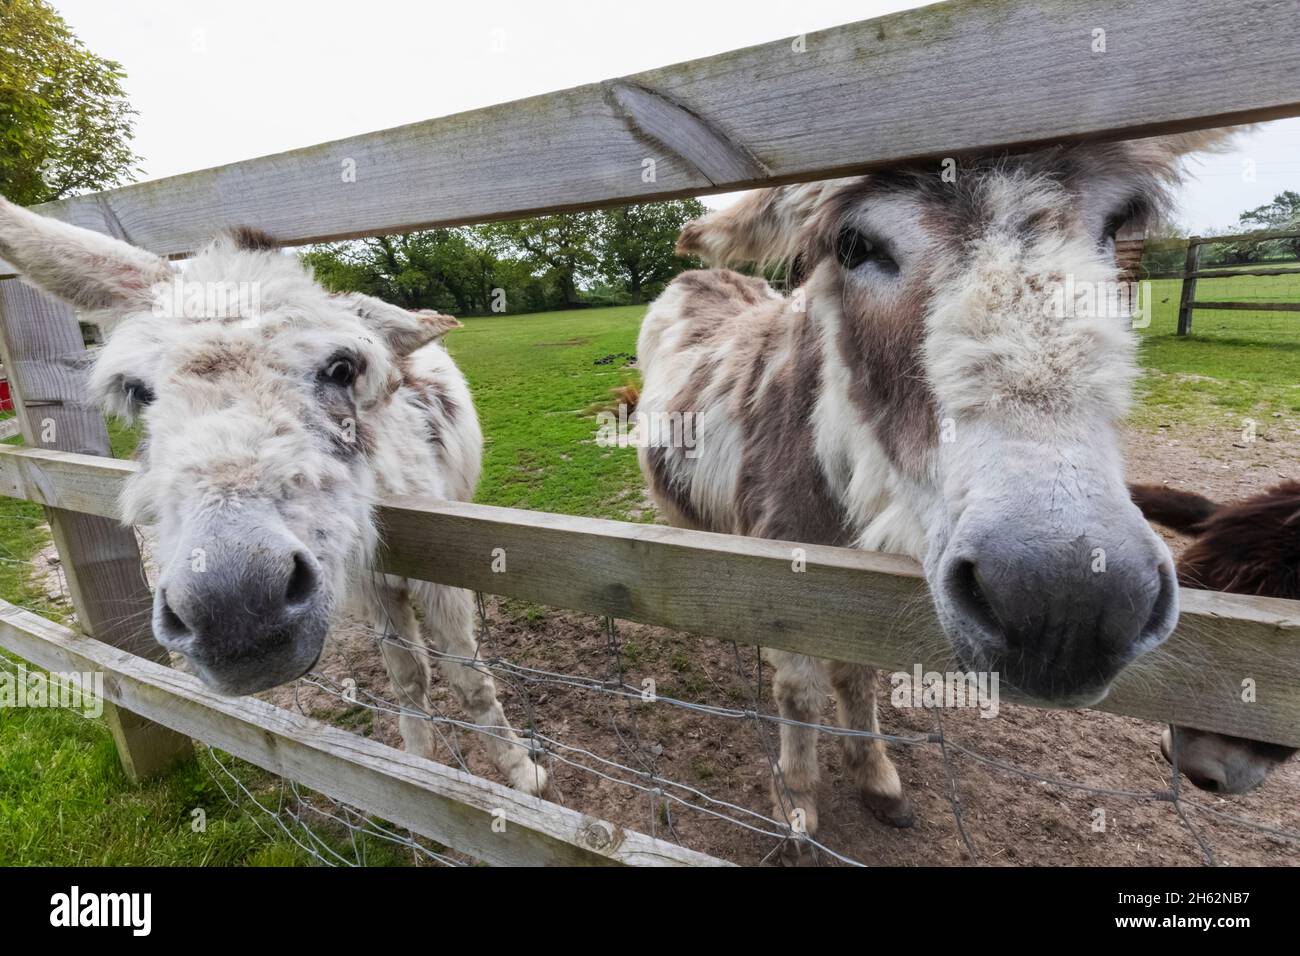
1219	763
1056	605
246	607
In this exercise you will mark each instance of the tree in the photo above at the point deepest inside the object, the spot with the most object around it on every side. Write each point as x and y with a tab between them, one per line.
65	123
532	265
560	249
452	270
1283	213
635	244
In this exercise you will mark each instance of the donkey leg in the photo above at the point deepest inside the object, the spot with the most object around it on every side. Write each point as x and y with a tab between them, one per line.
408	668
449	620
865	758
797	687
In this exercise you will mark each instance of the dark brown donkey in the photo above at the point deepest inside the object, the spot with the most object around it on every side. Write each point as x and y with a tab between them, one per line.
1252	547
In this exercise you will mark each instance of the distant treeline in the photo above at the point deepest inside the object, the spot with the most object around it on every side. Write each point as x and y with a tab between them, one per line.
610	257
1166	250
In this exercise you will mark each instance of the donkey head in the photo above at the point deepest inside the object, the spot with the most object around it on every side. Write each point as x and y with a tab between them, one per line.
255	387
965	322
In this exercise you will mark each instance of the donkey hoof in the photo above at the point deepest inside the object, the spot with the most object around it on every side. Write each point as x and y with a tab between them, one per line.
895	811
795	851
531	779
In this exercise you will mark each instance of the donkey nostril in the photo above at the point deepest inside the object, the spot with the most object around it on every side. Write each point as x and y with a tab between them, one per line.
1161	617
1209	784
173	627
973	597
302	582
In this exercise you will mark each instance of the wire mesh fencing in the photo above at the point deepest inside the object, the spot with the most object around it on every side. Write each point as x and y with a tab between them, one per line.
608	736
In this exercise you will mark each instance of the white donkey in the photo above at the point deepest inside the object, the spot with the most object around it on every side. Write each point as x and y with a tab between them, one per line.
935	388
275	417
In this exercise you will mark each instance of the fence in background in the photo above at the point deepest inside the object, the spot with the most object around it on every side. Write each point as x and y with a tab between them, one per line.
985	77
1192	271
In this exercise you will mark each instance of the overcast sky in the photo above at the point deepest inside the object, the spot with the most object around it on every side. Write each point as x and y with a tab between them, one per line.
216	81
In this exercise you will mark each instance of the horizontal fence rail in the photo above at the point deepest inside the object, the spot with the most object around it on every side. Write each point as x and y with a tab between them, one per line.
848	605
1259	235
1192	272
952	78
455	808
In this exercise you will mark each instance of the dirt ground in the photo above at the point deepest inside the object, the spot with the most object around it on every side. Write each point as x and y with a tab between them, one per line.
1010	819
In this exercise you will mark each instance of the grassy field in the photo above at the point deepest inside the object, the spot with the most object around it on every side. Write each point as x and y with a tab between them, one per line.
63	798
1238	363
533	378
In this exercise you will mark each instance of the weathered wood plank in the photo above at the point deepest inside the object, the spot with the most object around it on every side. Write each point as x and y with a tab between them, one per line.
849	605
450	806
941	80
42	350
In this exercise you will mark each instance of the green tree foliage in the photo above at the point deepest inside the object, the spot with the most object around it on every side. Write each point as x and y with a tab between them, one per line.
635	245
559	249
1282	214
65	123
531	265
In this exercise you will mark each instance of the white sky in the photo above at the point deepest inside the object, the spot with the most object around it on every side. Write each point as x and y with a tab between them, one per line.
216	81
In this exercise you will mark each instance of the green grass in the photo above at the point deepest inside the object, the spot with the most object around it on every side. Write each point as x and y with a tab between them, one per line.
63	796
533	380
1234	363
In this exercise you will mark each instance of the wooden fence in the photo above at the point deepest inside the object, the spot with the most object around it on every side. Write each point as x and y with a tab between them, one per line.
952	78
1192	271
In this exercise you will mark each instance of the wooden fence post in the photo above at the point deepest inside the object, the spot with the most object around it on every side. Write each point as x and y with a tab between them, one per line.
43	352
1191	266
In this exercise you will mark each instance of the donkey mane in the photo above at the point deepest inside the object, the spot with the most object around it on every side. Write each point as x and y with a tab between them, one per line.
251	239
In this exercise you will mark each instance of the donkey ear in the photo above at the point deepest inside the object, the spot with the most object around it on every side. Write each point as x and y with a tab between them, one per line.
1219	140
439	324
87	269
763	227
403	331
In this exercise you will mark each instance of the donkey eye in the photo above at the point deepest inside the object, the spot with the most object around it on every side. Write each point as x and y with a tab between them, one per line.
852	248
340	371
137	392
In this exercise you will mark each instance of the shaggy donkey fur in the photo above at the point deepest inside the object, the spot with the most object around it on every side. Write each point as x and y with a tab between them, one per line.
275	418
1250	547
927	389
